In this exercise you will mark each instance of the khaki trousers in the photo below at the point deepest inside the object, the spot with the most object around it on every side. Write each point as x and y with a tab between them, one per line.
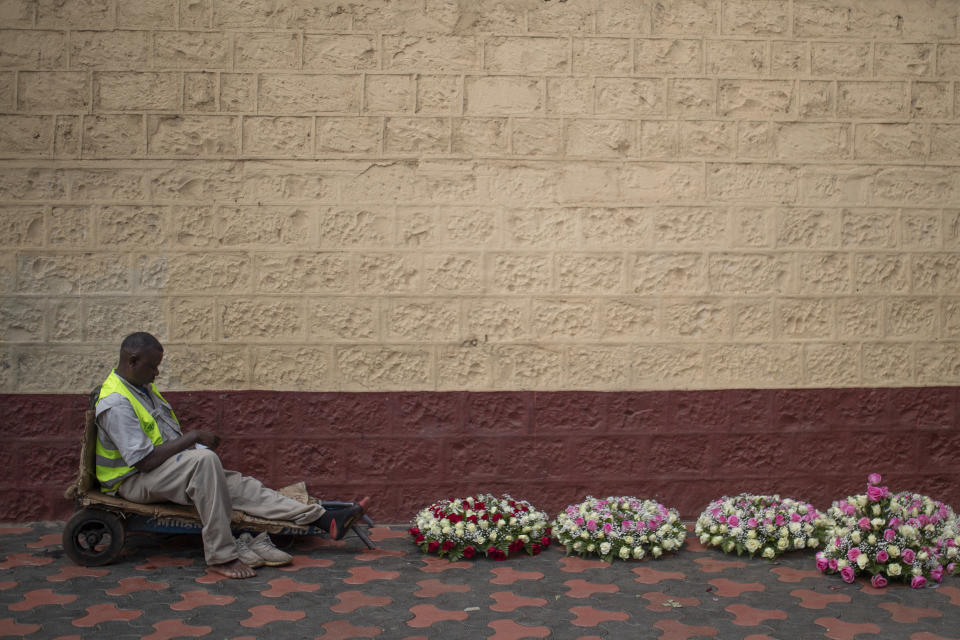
196	477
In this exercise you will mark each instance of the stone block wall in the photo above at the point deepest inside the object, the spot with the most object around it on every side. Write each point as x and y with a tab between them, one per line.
395	196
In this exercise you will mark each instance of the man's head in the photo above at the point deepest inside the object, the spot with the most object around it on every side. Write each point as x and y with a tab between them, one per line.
140	357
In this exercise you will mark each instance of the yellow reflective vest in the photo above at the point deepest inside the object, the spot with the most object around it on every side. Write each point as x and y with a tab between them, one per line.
111	468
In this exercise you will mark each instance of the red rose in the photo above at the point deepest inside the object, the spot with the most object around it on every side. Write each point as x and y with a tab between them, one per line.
516	545
413	531
432	546
535	548
485	517
454	518
497	517
499	556
420	538
472	519
479	506
547	531
545	541
468	552
447	545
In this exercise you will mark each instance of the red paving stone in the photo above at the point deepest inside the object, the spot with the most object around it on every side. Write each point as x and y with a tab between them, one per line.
712	565
280	587
584	589
379	534
264	614
951	592
730	589
693	544
350	601
375	554
126	586
10	627
40	597
343	630
911	615
747	616
71	571
200	598
44	542
433	564
675	630
158	562
661	601
508	575
24	560
579	565
648	575
506	601
815	600
510	630
590	617
68	638
786	574
434	588
8	585
103	613
211	577
841	630
363	575
167	629
758	636
926	635
425	615
303	562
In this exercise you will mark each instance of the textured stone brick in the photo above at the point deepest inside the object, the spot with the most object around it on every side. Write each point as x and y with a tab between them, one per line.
196	14
388	93
423	320
629	97
755	140
189	181
841	59
891	141
812	140
279	136
205	366
516	185
17	13
917	186
752	320
519	273
817	99
586	274
751	227
70	226
66	137
496	319
602	55
64	320
302	272
935	273
757	98
871	99
132	226
755	182
192	320
938	363
21	320
339	52
452	272
389	273
313	15
590	367
563	320
950	317
904	60
463	368
434	53
951	228
45	91
526	55
502	95
298	94
884	363
238	92
674	273
805	318
695	319
75	13
109	320
384	367
836	184
625	318
253	226
136	91
748	273
343	319
32	184
687	17
750	17
666	366
267	51
598	138
692	97
199	92
384	182
890	19
193	136
736	57
920	229
51	273
521	366
69	369
354	227
291	368
448	187
7	84
457	227
417	135
823	273
576	17
945	142
192	50
880	273
286	182
348	135
132	14
537	137
708	139
859	317
930	100
689	226
614	227
659	182
875	228
760	365
273	319
26	136
789	58
196	272
912	317
32	49
438	94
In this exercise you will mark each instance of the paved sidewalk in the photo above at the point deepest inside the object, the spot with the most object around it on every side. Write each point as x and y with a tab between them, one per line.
160	589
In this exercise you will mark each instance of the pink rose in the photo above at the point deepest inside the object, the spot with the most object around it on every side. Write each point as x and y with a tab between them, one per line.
822	564
874	478
878	581
847	574
951	567
909	556
780	520
591	525
882	556
875	494
752	523
918	582
832	564
853	554
580	522
864	523
607	527
733	521
937	574
889	535
849	509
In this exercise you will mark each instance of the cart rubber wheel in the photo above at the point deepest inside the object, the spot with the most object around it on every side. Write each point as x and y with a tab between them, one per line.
93	537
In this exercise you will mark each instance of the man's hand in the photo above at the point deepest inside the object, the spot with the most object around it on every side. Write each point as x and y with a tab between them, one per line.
206	438
168	449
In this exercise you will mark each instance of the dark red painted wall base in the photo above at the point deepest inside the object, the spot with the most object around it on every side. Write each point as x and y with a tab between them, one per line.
408	449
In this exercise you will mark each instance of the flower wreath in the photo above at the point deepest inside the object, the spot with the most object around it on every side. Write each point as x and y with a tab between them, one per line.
619	527
497	527
764	524
904	536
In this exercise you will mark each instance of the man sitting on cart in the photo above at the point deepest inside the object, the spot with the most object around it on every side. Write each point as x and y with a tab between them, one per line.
143	456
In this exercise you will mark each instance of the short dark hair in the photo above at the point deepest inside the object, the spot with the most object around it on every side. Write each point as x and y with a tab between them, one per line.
137	342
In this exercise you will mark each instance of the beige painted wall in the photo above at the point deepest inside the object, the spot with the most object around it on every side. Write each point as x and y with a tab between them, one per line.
483	194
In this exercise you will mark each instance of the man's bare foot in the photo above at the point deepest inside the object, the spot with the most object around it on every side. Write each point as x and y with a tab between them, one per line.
233	569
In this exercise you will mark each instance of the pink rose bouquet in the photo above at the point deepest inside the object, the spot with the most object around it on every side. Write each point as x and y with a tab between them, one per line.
619	527
463	527
765	525
905	536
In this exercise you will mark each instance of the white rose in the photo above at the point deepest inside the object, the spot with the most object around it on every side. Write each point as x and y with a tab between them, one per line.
492	536
657	552
638	553
799	543
704	539
501	524
716	540
871	539
893	569
855	536
629	540
794	527
591	547
604	548
512	521
471	527
752	545
769	553
813	543
624	553
484	524
862	560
